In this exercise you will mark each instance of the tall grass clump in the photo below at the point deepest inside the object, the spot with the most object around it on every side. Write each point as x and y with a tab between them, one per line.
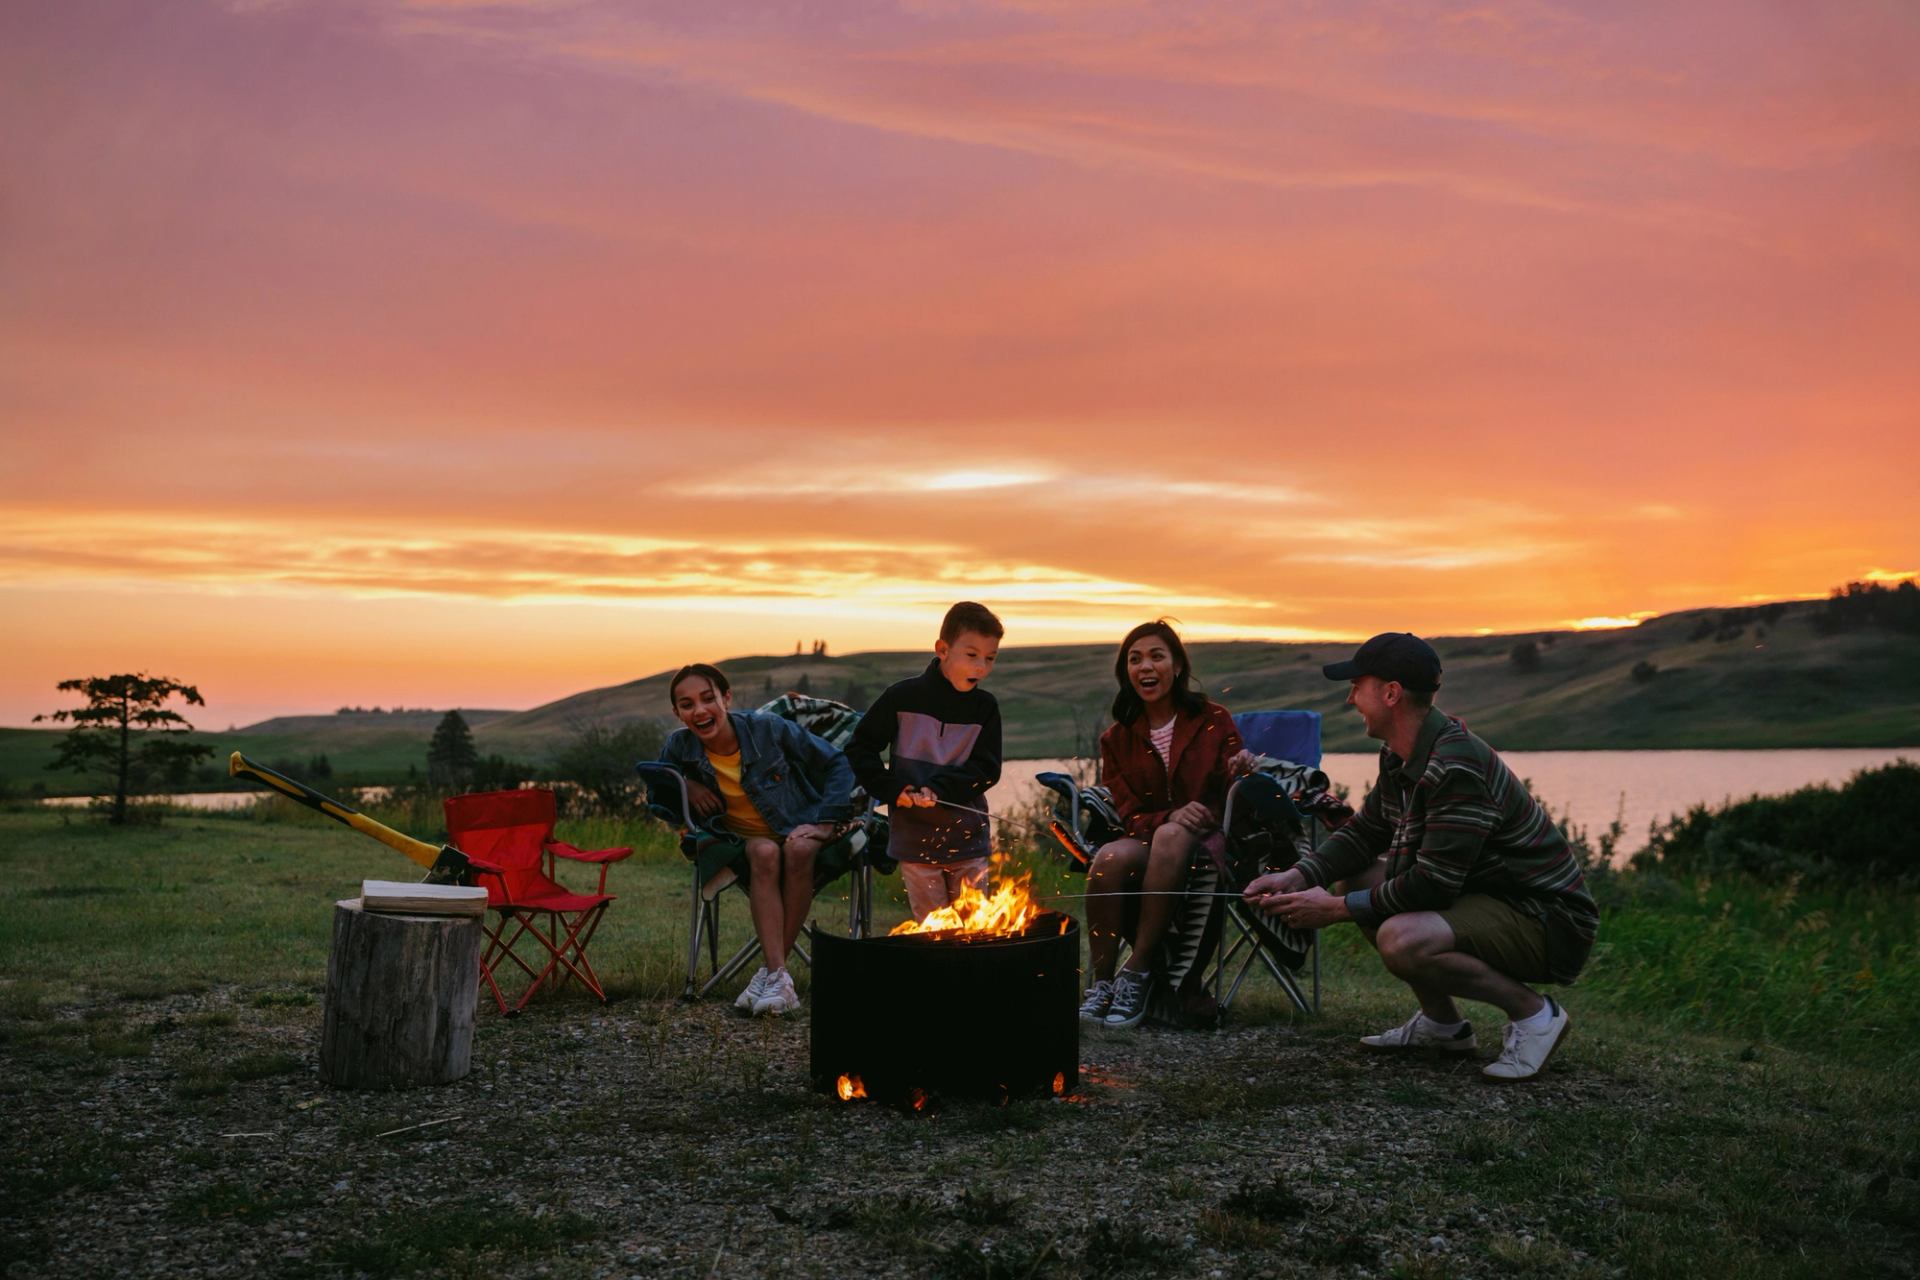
1823	969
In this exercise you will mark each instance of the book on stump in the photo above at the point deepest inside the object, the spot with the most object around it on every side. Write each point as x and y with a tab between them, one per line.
401	898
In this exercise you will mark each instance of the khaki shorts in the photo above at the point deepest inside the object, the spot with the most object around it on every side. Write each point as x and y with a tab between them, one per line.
1494	930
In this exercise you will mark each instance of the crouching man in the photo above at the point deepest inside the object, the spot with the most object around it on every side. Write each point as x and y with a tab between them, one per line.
1456	875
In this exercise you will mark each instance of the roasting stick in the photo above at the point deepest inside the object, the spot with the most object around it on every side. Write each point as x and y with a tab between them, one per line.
992	817
1135	893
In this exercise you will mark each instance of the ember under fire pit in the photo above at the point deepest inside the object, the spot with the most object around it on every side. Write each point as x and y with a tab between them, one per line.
905	1017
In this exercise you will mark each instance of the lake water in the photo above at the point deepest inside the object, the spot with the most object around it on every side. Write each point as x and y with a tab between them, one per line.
1592	787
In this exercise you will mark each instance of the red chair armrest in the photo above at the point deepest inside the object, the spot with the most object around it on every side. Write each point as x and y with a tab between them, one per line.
484	867
573	854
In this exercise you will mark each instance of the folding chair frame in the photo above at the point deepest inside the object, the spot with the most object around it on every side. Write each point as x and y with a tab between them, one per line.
567	932
566	949
1247	925
705	921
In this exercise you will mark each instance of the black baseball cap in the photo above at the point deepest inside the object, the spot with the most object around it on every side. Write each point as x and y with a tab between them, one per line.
1392	655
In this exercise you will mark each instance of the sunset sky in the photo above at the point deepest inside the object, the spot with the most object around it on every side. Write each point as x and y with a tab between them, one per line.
455	352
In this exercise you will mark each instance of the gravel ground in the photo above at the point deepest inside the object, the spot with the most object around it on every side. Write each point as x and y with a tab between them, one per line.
189	1134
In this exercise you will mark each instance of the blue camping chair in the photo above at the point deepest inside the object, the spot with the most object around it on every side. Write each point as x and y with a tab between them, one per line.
860	848
1265	829
1280	830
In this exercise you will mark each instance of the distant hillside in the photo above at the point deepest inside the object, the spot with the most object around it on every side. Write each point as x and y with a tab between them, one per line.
1761	676
344	725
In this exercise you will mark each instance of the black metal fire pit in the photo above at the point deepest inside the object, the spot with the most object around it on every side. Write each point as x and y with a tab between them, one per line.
906	1017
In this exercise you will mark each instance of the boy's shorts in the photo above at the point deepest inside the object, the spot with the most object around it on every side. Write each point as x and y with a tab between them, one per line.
1494	930
931	886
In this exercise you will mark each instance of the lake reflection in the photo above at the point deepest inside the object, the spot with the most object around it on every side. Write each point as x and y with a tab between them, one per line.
1592	787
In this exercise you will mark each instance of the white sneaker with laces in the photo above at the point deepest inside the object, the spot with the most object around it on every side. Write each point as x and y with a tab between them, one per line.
1421	1032
755	988
1526	1050
780	996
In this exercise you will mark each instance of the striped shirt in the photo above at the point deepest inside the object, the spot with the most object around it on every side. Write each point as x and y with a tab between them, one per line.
1452	819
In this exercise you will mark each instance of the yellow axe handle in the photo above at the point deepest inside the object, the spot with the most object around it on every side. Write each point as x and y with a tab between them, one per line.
420	851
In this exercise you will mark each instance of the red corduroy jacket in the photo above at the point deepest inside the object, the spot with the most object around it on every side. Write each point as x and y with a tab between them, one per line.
1145	791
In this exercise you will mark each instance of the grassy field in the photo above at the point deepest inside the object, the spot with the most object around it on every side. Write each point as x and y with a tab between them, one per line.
1735	1101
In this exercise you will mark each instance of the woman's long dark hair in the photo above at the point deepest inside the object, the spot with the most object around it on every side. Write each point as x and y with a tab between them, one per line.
1126	703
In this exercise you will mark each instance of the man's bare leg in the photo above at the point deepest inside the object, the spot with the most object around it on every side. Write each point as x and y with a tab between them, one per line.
1418	948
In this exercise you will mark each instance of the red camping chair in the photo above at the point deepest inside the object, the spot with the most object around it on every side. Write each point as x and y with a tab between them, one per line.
508	838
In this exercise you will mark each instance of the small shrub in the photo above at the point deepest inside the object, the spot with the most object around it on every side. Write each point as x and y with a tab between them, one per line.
1524	656
1863	829
1644	671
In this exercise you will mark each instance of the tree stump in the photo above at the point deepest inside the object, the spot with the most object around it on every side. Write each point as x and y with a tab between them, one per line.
401	992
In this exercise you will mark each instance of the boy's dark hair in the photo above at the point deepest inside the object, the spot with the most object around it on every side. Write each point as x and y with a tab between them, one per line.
715	676
1126	703
968	616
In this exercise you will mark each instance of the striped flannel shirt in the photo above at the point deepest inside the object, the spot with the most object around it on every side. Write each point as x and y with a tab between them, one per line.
1452	819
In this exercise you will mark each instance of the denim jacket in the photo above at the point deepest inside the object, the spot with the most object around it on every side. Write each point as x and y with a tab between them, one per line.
793	777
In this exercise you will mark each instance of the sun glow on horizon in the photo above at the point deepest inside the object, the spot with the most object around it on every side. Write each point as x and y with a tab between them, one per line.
1288	325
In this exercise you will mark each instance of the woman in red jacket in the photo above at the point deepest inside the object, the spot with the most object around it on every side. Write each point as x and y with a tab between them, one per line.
1167	761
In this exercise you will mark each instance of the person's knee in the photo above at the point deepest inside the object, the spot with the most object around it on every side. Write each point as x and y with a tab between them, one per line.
1117	859
763	855
800	848
1404	946
1171	840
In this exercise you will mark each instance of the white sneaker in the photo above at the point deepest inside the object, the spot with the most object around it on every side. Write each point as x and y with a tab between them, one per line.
1525	1053
1421	1032
756	990
780	996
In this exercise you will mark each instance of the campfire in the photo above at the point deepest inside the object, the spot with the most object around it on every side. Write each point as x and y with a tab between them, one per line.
979	1000
1007	908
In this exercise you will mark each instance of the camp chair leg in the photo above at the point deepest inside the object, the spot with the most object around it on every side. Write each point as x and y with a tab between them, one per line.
859	902
499	997
733	966
570	953
1248	940
1316	971
693	936
713	936
566	943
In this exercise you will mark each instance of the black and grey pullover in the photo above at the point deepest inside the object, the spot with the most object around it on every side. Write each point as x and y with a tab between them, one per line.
941	739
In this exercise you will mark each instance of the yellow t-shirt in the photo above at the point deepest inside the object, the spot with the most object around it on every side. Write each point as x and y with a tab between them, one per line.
742	818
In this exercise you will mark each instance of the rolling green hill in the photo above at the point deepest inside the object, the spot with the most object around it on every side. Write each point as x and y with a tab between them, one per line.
1709	678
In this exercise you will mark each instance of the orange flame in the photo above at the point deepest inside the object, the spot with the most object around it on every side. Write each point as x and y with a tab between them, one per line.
850	1087
1006	908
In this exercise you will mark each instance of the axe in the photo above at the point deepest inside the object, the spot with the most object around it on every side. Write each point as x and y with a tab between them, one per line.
445	864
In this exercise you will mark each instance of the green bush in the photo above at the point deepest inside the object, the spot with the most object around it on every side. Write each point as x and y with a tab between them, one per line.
1867	830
